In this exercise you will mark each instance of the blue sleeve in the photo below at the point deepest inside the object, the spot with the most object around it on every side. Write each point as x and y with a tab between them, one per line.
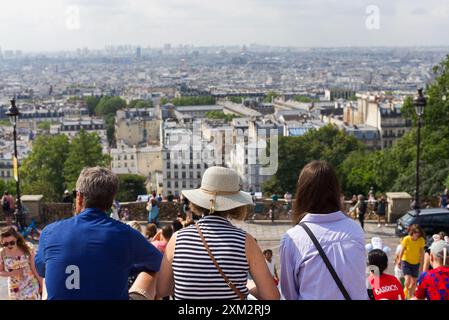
39	258
288	258
144	256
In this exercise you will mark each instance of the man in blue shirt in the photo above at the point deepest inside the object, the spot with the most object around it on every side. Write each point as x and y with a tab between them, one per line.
90	255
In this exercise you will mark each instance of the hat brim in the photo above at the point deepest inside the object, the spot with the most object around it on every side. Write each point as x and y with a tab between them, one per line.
222	202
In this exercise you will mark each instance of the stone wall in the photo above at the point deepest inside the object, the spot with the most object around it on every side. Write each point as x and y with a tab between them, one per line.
168	211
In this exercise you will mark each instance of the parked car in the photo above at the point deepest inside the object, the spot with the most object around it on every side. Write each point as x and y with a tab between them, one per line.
432	220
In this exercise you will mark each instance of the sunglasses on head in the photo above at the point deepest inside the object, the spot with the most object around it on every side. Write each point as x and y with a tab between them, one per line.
9	244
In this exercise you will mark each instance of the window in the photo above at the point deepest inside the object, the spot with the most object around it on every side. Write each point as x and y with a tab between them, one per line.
168	165
132	158
125	158
168	175
191	175
183	175
176	175
198	166
183	184
198	175
176	184
168	184
176	166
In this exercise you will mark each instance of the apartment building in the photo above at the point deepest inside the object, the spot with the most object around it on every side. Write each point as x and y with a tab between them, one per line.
138	127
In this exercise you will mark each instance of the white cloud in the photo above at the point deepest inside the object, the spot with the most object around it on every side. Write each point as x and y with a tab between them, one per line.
39	25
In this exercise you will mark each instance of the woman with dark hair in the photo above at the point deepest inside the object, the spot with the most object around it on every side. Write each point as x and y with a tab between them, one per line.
323	255
17	263
411	257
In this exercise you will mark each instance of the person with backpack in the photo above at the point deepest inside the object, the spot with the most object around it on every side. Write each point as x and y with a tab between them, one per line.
323	256
7	203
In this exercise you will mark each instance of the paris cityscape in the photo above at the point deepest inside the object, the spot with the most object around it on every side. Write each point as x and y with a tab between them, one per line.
291	150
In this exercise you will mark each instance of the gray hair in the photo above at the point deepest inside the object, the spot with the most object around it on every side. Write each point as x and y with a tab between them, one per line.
98	186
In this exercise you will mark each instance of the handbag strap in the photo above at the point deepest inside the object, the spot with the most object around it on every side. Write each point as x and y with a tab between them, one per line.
326	261
226	279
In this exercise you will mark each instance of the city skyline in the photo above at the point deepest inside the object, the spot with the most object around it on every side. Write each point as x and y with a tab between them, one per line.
52	25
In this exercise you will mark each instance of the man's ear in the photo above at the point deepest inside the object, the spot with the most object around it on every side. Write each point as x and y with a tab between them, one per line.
79	202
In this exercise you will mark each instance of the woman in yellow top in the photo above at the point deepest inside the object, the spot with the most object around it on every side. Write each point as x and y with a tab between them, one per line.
411	257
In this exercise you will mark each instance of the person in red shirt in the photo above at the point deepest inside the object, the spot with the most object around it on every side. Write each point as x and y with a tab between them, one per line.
434	284
383	286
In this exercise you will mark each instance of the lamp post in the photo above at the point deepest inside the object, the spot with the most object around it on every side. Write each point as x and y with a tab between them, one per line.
13	114
419	102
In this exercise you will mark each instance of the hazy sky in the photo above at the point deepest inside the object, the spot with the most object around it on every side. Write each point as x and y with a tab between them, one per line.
36	25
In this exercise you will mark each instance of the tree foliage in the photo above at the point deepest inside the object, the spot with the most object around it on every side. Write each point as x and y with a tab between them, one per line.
91	103
54	163
305	99
130	187
220	115
109	105
194	101
42	172
270	96
140	104
8	185
327	143
85	151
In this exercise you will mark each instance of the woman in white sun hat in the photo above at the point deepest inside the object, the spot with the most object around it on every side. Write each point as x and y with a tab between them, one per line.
211	259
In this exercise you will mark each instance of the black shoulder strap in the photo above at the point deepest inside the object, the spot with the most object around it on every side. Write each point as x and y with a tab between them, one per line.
326	261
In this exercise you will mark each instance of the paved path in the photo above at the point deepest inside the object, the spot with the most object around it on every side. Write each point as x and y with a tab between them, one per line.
268	235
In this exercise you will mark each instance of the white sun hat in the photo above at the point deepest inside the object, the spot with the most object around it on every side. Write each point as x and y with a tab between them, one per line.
220	191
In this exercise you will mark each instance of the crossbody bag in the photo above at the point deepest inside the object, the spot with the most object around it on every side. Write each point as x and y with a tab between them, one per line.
328	264
226	279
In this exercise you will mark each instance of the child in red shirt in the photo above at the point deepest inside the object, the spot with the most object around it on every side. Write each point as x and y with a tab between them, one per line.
434	284
383	286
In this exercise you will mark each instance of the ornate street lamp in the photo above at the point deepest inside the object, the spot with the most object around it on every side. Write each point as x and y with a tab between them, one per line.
13	114
419	102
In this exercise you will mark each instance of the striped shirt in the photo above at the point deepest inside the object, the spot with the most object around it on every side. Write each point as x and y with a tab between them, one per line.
195	275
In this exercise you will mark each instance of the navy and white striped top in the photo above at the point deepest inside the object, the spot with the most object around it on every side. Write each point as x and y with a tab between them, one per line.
195	275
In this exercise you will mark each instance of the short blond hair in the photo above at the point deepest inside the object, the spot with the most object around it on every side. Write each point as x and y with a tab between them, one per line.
238	213
135	225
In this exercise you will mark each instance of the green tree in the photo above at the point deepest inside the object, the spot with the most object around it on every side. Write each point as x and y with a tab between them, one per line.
194	101
270	96
109	105
164	100
236	99
42	172
220	115
85	151
92	102
8	185
327	143
130	187
305	99
140	104
110	129
44	125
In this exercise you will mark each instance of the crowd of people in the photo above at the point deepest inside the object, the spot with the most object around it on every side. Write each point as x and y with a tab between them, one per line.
203	255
